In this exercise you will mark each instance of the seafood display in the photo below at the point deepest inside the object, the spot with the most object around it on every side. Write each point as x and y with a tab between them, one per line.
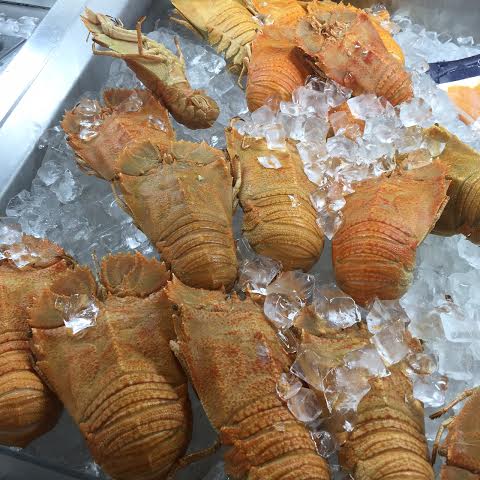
388	435
207	326
162	72
461	445
462	213
28	408
233	358
346	47
179	193
116	375
279	220
385	221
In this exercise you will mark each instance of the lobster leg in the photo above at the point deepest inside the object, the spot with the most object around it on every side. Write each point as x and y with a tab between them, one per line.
139	35
438	437
460	398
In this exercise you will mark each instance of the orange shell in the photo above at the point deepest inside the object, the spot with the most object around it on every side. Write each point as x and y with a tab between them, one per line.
234	359
467	99
276	68
385	221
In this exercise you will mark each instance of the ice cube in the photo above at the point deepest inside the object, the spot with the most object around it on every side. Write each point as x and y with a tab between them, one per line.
294	127
288	341
383	312
315	130
319	199
335	93
88	107
344	389
417	159
339	309
66	188
281	310
290	108
305	406
79	312
366	358
434	147
410	141
469	252
390	342
340	146
288	385
263	116
310	367
430	389
86	134
365	106
256	273
456	326
294	284
329	222
311	101
421	363
415	112
270	161
10	232
454	360
157	122
50	172
466	41
131	104
275	136
325	443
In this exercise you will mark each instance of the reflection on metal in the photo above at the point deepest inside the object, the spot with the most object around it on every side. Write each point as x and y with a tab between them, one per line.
8	44
31	3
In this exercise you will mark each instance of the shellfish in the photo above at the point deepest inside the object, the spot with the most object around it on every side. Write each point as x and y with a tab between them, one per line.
179	194
279	220
385	220
160	70
388	435
345	46
461	447
233	358
118	378
462	213
27	406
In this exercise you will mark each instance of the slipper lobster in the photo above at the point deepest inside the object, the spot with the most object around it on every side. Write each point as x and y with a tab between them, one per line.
227	26
160	70
345	46
387	439
327	6
118	378
276	67
28	408
233	358
279	220
462	213
179	193
461	447
386	219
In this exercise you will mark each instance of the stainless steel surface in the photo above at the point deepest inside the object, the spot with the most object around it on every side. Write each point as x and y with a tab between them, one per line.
30	3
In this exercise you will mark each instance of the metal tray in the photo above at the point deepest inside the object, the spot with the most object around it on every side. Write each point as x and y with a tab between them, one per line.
49	73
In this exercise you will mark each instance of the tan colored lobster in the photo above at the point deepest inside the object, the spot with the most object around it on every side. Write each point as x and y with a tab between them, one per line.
161	71
462	213
179	193
279	220
118	378
27	406
462	443
227	26
345	46
385	221
233	358
388	436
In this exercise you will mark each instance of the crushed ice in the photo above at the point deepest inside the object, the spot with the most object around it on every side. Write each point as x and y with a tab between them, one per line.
79	312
